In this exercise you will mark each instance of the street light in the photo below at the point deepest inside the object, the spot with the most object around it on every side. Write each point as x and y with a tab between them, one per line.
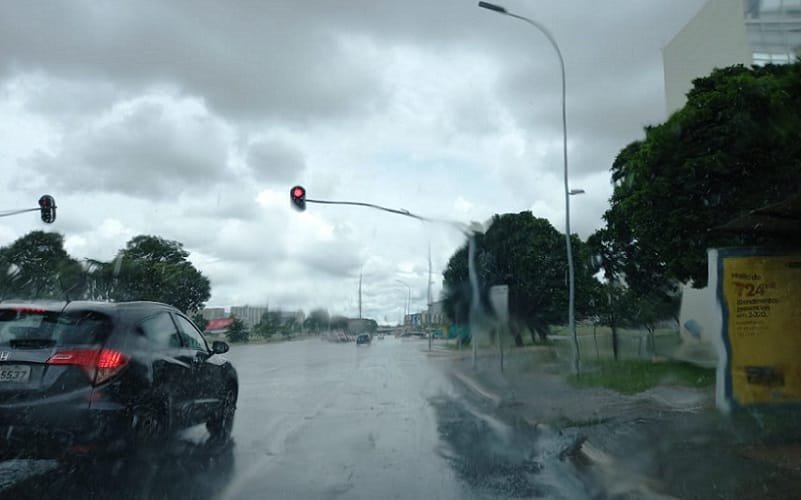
575	191
571	314
408	301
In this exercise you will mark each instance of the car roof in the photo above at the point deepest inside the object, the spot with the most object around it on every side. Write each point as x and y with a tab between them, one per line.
131	310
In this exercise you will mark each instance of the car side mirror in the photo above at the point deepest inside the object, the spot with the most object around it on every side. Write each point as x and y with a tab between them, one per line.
219	347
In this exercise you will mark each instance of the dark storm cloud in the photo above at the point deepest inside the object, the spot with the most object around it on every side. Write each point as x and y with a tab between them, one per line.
147	152
252	60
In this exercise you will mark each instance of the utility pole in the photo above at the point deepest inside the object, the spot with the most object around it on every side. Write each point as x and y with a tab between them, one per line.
360	295
428	309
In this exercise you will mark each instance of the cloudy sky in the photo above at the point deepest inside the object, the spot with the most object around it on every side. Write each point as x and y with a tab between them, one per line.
192	119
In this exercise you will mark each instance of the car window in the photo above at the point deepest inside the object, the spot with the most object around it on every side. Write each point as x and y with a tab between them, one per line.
78	327
161	331
191	335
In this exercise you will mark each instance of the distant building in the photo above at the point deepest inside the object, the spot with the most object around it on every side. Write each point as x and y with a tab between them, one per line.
415	319
298	316
250	315
211	313
436	313
729	32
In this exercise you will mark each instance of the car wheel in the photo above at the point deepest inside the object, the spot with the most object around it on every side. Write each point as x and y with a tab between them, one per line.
222	422
151	425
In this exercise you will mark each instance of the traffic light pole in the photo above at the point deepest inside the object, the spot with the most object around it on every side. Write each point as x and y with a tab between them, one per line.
299	200
47	207
9	213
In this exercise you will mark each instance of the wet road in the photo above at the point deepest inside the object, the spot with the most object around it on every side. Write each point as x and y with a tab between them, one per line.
320	420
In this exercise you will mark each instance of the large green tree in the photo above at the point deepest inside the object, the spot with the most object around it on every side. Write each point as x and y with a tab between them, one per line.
317	321
36	266
734	147
527	254
237	331
151	268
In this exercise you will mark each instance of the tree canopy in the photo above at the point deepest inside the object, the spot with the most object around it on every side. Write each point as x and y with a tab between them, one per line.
528	254
36	266
734	147
152	268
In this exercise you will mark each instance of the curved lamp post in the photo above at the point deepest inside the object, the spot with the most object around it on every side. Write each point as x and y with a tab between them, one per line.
569	250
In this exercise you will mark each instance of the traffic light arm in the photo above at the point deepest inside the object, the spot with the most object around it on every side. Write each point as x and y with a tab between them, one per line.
464	228
370	205
17	212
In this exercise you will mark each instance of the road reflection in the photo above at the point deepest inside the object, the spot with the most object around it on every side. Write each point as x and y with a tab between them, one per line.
182	469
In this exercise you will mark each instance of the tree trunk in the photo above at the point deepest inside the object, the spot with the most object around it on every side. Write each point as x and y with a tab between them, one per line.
595	338
614	339
517	335
652	340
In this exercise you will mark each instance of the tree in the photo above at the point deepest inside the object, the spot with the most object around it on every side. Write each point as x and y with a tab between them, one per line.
528	254
151	268
237	332
269	324
317	321
650	309
289	327
36	266
734	147
200	321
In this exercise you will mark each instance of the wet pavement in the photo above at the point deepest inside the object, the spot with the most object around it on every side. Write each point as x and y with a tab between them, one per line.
321	420
668	441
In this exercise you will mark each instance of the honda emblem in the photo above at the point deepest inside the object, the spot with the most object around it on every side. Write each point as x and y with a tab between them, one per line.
4	355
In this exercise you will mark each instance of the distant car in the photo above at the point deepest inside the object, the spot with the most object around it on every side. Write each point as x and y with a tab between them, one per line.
363	339
88	379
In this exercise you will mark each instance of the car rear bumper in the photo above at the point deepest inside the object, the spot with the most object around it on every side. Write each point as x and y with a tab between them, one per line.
63	428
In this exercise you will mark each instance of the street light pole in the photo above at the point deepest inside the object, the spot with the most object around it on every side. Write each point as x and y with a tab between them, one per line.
428	299
571	314
408	300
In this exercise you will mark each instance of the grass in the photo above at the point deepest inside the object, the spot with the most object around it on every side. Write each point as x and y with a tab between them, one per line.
633	376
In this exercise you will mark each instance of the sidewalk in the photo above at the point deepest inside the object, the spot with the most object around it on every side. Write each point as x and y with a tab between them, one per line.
667	439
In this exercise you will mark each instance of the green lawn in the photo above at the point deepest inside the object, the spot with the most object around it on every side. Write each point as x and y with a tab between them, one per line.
633	376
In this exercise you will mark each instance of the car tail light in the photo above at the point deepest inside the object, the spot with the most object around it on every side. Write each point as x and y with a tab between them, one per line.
98	364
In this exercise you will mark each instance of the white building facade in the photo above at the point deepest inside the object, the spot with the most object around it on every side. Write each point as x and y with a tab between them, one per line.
728	32
250	315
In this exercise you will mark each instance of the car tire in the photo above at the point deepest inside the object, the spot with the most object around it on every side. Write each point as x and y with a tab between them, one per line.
151	426
222	422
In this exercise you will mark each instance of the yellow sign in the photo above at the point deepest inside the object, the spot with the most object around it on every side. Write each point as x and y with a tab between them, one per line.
762	327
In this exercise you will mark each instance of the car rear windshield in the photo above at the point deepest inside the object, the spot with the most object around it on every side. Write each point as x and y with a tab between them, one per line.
32	327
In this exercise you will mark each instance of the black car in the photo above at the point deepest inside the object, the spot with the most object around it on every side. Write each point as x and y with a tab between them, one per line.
89	379
363	339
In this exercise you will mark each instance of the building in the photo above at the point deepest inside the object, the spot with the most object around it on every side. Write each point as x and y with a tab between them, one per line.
729	32
436	313
248	314
298	316
211	313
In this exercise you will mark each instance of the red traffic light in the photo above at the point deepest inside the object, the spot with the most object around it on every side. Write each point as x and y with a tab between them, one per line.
298	197
47	207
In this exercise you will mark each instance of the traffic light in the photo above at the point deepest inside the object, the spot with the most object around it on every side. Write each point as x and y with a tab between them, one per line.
47	206
298	196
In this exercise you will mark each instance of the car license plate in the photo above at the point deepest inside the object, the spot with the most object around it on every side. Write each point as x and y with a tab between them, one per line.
15	373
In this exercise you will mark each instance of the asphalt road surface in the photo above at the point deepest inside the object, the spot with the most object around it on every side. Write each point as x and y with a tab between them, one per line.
328	421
